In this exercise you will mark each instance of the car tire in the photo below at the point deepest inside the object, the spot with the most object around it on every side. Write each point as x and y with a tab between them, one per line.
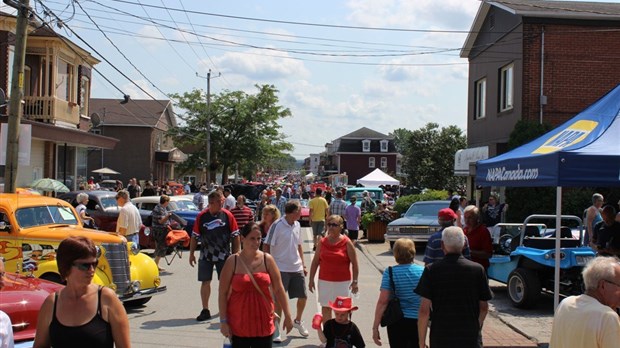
523	287
137	303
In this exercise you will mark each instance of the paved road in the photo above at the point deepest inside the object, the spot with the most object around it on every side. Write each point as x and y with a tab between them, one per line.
534	323
169	319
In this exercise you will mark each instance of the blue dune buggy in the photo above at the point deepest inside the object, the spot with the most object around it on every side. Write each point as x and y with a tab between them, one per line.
524	259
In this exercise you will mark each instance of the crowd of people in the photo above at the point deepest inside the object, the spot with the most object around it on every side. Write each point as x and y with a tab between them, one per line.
259	260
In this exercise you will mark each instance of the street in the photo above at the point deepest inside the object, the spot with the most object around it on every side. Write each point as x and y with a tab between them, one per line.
169	319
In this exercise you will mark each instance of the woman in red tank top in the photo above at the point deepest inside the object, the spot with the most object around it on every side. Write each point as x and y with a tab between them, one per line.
245	303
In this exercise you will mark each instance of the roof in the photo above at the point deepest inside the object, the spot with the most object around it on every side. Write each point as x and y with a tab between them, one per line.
366	133
577	10
355	145
138	112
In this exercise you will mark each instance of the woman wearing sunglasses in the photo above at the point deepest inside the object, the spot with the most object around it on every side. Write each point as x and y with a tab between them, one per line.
338	276
81	314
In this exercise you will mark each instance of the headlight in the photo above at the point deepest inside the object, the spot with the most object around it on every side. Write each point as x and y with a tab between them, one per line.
135	286
392	229
582	260
434	229
147	231
134	249
100	251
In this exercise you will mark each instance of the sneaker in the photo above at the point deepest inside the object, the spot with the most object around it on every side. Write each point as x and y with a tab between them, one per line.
299	325
204	315
277	338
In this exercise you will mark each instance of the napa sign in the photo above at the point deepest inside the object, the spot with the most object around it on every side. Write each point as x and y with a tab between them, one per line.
571	135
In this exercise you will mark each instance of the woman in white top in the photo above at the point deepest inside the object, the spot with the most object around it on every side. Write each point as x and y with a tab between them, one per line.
87	221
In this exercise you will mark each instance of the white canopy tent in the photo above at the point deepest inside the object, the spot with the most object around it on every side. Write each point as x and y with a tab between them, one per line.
376	178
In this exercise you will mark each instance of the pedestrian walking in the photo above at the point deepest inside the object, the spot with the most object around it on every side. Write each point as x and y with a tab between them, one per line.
341	331
319	210
434	251
129	220
353	218
592	217
160	222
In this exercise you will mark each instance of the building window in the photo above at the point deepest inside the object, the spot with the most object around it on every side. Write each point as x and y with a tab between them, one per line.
480	102
506	88
384	145
366	145
371	162
383	162
84	95
64	81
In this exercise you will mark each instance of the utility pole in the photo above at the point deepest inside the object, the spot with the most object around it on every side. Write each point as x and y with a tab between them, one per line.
17	94
208	165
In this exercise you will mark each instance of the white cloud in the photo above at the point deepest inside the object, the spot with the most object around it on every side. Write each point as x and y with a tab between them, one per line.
260	65
153	39
136	93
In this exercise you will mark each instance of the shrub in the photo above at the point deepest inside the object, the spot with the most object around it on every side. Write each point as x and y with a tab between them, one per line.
403	203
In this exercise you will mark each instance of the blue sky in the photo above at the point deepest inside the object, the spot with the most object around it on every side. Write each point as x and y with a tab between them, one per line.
331	88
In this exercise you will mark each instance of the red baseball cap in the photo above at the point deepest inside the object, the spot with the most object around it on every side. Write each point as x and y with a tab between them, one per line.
447	214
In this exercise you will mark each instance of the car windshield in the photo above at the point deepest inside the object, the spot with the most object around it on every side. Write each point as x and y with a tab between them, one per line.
427	210
45	215
304	203
374	194
108	202
185	205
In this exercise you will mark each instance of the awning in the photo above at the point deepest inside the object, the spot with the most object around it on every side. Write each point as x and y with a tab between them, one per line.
173	155
50	132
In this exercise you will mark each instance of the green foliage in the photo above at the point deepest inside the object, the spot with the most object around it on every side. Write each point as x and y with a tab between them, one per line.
429	156
403	203
526	131
244	128
367	218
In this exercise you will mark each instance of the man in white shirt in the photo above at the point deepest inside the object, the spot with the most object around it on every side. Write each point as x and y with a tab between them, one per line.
283	242
6	329
229	201
129	220
590	320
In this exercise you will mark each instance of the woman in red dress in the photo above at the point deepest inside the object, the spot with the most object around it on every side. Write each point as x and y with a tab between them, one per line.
245	303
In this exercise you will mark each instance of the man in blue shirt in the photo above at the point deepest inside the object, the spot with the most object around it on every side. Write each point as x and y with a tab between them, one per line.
433	252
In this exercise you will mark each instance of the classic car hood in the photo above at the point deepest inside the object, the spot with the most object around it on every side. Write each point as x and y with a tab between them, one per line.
408	221
52	231
22	298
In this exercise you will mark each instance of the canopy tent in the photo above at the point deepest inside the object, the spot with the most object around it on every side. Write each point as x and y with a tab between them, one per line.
105	170
584	151
377	177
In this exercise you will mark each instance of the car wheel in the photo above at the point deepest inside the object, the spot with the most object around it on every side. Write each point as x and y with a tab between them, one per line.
53	277
137	303
523	287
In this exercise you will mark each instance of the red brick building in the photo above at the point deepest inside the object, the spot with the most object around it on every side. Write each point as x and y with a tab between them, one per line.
362	151
537	60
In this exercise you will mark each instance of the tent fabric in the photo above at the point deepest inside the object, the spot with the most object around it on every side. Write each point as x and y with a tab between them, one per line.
583	151
376	178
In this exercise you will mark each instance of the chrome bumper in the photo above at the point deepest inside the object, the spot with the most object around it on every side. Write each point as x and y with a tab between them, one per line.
415	238
143	293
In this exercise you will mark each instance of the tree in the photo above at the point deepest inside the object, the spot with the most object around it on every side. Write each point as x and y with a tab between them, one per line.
429	157
244	128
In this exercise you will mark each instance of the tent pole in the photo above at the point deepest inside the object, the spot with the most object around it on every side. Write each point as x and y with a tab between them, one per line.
558	235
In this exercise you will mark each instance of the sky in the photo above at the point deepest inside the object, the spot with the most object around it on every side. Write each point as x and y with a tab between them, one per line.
334	69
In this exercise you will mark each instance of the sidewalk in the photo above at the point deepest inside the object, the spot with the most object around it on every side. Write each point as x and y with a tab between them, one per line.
495	332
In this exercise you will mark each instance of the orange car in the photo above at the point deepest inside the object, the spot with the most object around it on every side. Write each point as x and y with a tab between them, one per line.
31	227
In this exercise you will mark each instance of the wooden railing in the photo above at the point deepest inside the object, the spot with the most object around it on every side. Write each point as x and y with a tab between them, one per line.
51	110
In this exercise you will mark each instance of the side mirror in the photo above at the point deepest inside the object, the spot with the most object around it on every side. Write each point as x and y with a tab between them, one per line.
98	207
4	226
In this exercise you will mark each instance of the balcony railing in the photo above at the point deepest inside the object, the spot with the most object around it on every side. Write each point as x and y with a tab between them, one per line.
51	110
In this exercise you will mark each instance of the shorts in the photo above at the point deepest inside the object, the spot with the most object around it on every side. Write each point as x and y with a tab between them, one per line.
205	269
353	234
318	227
328	291
294	283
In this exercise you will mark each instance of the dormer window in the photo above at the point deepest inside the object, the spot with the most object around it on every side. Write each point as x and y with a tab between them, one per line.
366	145
384	145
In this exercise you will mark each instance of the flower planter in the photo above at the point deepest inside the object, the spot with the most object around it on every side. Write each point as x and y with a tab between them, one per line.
376	231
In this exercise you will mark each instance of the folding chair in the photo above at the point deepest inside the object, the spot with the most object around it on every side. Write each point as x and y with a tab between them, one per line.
176	240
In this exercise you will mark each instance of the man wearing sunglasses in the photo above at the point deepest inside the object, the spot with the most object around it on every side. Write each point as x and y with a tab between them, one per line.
590	319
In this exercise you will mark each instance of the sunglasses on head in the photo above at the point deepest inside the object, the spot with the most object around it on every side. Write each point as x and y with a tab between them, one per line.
332	225
85	266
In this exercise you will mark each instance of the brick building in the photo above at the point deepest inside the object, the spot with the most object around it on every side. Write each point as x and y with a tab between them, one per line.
537	60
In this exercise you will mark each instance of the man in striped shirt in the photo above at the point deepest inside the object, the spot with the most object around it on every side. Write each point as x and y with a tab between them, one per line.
433	251
242	213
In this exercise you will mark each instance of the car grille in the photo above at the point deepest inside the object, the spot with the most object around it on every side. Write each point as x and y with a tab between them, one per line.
414	230
116	253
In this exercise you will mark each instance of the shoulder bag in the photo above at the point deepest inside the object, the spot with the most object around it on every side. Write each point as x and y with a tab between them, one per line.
393	312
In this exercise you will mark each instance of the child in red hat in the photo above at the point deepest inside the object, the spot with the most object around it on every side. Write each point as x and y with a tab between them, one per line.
341	332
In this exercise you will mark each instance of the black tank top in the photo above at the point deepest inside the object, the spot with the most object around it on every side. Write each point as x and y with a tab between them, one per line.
94	334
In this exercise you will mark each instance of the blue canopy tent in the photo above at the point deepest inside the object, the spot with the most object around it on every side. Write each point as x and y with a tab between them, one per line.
584	151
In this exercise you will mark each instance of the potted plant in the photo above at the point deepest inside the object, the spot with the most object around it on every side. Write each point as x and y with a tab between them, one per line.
375	224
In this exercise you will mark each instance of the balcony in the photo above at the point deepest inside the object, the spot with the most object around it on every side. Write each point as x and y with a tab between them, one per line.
51	110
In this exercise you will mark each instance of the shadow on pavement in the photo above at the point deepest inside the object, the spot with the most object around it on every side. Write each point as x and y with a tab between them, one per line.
157	324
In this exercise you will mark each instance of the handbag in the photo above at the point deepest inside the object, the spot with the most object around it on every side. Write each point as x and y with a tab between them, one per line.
247	269
393	312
